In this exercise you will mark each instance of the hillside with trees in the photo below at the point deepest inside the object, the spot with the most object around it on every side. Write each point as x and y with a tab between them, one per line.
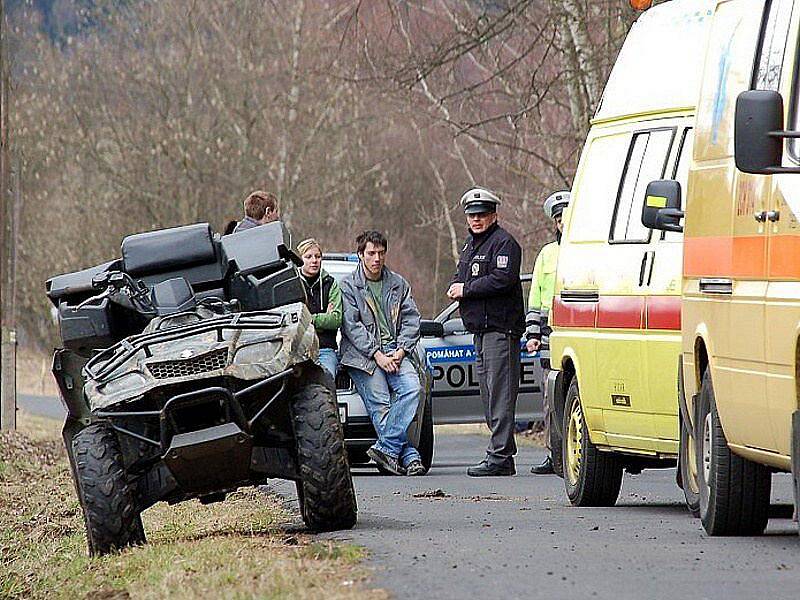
130	116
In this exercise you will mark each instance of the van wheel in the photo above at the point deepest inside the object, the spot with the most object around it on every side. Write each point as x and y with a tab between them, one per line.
687	469
325	489
591	477
105	492
734	492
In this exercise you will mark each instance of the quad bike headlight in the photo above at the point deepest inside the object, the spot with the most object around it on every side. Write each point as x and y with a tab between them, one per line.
120	384
256	353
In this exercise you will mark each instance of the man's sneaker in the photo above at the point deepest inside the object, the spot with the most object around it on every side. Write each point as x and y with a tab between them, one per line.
415	468
382	459
545	468
484	469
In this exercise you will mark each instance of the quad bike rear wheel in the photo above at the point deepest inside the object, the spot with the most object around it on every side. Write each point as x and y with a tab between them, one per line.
105	491
325	489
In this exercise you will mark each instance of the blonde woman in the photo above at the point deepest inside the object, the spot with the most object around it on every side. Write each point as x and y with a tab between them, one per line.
324	302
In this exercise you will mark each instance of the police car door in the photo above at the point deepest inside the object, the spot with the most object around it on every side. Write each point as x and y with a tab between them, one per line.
456	395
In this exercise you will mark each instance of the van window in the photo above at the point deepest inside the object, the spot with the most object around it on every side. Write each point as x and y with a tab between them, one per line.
681	174
772	43
596	187
647	160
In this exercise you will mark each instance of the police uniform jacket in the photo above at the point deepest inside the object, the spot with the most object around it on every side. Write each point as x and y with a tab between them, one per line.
540	299
489	268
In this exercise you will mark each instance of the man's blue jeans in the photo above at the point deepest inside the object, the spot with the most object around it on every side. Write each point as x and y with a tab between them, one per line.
391	400
329	361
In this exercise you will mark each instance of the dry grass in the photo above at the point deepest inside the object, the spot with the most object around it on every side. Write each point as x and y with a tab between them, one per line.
245	547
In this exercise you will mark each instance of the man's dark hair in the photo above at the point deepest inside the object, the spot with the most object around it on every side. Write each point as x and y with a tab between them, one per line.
376	237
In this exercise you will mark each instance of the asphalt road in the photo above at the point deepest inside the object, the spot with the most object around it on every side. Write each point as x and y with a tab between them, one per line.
446	535
42	406
518	537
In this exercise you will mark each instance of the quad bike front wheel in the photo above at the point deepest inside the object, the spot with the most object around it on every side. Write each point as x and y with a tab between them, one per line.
325	489
105	492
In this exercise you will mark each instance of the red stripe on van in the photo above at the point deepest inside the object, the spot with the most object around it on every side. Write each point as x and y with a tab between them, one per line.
574	314
620	312
664	312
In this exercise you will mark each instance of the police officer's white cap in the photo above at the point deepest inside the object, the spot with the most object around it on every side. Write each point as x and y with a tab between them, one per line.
556	203
479	200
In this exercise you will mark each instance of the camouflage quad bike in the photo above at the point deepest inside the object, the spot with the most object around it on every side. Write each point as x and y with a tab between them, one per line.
188	371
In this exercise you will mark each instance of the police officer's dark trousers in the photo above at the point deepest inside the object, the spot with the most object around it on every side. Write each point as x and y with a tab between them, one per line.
497	363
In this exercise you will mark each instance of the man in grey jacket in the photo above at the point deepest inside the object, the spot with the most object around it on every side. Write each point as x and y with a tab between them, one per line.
380	329
259	208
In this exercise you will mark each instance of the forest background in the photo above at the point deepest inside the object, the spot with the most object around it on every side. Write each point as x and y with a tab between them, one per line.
132	115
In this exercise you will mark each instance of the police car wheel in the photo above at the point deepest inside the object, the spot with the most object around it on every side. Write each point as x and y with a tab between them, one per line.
591	477
734	491
357	456
425	445
687	469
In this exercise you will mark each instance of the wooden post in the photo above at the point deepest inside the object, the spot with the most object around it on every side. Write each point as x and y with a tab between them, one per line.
8	337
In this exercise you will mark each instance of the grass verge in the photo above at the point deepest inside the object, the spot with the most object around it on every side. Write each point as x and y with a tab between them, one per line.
245	547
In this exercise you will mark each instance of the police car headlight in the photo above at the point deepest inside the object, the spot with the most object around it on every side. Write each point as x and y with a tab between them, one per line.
256	353
131	380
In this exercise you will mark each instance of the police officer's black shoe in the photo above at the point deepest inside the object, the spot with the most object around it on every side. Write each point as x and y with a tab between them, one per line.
484	469
545	468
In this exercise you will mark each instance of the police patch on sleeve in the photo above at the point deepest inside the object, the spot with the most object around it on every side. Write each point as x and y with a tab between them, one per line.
502	261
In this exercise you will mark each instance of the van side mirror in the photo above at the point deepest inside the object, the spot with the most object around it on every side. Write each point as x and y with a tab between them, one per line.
662	206
759	134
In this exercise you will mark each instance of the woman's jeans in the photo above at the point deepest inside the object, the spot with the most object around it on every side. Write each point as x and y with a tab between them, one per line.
391	400
329	361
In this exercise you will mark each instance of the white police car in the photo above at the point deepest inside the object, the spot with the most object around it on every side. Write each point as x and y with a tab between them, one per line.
456	396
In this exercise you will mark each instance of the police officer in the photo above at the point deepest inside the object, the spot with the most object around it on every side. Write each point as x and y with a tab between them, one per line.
540	301
488	289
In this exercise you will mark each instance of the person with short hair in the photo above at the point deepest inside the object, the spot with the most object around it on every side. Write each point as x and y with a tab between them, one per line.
380	330
324	300
489	293
537	320
230	227
259	208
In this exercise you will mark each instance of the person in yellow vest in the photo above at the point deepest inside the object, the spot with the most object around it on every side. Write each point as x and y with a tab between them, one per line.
540	300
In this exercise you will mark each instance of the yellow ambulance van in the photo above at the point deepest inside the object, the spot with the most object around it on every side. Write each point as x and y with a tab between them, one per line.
616	310
741	285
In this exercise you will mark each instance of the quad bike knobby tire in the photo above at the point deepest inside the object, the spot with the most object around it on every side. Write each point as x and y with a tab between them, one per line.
105	493
734	491
591	477
325	489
